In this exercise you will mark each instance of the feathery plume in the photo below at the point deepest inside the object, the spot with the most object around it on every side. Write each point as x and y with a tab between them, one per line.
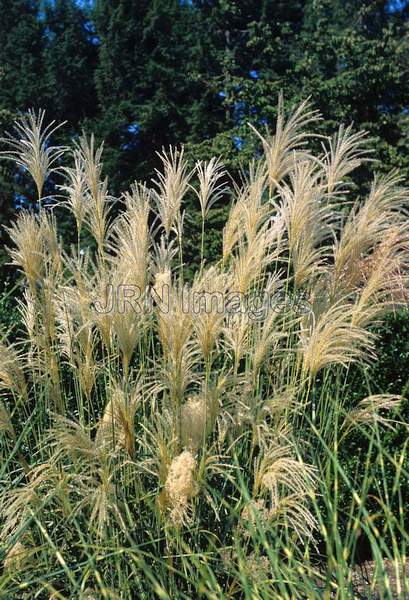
308	219
367	226
116	426
11	374
77	201
289	483
15	558
97	196
25	233
282	148
29	147
210	175
171	185
208	291
332	339
368	410
345	152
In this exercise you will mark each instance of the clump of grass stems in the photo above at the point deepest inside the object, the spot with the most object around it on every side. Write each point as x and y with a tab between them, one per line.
167	450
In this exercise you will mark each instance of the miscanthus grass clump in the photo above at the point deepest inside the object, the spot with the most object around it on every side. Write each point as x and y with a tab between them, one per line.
174	438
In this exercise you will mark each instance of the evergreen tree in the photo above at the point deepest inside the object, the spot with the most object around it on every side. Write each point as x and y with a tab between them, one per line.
247	60
70	57
21	42
349	57
146	80
358	52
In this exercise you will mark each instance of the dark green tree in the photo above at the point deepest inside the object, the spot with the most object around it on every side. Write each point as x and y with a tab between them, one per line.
353	61
147	81
21	41
70	58
350	57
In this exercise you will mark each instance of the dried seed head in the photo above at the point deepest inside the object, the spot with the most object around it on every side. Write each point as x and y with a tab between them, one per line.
15	558
368	410
257	567
193	423
75	188
254	511
180	485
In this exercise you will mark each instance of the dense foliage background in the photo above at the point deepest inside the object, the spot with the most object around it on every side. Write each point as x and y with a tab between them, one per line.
145	74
